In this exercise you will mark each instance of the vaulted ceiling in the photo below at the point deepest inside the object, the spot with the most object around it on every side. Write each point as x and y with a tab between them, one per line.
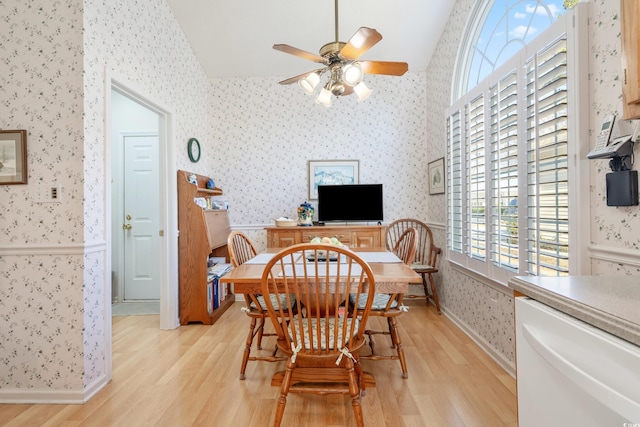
235	38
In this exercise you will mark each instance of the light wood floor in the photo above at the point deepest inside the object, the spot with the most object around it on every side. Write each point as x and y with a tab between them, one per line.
189	376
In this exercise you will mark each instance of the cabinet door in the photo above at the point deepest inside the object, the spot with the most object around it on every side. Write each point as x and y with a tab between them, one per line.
284	238
364	239
630	19
218	228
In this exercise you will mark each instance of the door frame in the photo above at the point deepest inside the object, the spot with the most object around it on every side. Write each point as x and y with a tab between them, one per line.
168	201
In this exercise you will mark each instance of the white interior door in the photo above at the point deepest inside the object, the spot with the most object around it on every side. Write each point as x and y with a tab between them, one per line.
141	225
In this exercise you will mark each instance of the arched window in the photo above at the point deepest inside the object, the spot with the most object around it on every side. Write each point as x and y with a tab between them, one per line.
497	30
509	133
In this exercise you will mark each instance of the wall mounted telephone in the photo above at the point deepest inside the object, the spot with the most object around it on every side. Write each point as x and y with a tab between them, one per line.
612	148
604	136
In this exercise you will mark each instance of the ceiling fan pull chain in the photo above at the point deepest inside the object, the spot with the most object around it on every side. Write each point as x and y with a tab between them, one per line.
336	21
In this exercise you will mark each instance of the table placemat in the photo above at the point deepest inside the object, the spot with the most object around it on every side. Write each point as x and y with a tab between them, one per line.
382	257
264	258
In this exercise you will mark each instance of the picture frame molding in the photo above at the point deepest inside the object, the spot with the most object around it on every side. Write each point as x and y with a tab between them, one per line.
433	168
18	156
350	167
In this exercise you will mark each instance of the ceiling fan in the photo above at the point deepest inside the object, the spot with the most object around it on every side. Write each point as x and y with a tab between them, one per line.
341	65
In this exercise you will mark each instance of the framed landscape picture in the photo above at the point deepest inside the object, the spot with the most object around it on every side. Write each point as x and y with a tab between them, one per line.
13	157
331	172
436	176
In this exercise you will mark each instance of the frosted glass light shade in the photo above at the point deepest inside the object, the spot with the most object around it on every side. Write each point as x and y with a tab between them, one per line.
309	83
362	91
324	97
352	74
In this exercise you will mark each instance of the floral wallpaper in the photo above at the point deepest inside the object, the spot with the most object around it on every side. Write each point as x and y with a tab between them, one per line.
264	134
52	254
41	262
615	227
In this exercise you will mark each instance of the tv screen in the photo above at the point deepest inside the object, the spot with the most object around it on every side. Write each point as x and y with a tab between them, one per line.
359	202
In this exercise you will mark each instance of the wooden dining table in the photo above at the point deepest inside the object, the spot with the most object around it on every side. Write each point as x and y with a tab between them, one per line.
391	275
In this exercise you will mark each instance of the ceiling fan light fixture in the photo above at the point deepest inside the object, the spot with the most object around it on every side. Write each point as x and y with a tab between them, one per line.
362	91
309	83
352	74
324	97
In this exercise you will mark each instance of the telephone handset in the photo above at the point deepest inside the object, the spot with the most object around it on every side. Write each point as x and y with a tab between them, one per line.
604	136
620	148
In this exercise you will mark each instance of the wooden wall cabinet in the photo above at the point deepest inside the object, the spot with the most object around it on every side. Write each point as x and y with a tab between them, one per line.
201	233
630	30
353	236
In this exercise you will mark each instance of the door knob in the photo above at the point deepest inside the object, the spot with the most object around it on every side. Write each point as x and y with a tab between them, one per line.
126	226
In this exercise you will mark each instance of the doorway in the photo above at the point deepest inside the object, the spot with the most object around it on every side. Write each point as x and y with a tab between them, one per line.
135	204
141	205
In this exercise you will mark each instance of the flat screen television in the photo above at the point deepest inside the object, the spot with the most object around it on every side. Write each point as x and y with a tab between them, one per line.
350	203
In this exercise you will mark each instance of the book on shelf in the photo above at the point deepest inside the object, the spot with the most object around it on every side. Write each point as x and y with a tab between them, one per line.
216	291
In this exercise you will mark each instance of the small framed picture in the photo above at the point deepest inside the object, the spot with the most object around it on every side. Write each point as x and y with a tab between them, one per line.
436	176
13	157
331	172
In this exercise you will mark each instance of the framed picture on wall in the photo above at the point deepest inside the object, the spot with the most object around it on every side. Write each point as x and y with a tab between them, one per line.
436	176
331	172
13	157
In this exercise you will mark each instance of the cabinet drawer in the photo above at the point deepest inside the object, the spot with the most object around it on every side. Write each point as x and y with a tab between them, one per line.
343	235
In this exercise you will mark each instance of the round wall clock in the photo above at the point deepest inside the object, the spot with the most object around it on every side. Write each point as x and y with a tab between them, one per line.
193	148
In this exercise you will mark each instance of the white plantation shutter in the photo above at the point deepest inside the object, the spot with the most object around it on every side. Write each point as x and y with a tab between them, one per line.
454	180
547	162
508	165
475	150
504	172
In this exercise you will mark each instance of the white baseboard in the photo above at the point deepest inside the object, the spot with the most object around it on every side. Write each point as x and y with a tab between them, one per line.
48	396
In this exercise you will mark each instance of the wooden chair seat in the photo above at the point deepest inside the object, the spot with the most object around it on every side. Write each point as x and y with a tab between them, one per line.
380	301
259	303
331	332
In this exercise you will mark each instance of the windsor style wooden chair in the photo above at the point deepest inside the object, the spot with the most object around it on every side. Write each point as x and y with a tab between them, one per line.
318	332
427	253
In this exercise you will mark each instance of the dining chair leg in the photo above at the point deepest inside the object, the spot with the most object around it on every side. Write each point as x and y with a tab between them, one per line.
260	334
395	338
360	376
247	348
434	292
284	391
425	286
354	391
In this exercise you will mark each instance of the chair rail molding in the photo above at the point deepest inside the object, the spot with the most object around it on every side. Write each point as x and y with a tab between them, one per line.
53	249
624	256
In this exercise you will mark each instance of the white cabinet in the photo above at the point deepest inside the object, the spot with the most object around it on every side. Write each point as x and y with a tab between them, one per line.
571	373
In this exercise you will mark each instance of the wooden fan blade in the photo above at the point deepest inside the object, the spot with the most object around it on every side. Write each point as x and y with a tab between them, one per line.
360	42
383	67
301	53
295	79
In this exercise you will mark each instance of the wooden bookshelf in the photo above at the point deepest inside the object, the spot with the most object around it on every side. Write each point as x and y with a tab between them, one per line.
202	233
